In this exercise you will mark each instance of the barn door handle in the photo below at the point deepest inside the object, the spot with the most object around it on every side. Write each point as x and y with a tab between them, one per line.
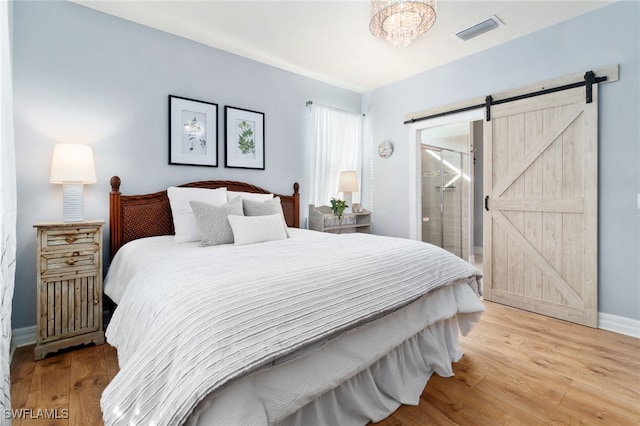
486	203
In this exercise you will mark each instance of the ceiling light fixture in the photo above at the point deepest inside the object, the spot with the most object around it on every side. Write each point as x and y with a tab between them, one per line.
401	21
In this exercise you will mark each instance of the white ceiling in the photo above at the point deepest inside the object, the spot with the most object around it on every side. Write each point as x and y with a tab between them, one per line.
330	40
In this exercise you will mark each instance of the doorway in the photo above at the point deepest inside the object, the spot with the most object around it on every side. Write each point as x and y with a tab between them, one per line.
443	195
445	199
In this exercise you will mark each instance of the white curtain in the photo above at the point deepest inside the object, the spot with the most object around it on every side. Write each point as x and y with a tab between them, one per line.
7	212
337	146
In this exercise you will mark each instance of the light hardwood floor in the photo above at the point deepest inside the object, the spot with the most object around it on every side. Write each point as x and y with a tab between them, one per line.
518	368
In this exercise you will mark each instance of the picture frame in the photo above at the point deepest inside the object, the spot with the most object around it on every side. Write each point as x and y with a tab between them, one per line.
244	138
193	132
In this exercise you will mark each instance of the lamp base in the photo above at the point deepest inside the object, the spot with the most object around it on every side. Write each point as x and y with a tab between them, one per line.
73	202
348	196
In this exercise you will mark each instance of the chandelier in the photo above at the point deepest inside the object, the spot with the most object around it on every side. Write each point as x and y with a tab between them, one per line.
401	21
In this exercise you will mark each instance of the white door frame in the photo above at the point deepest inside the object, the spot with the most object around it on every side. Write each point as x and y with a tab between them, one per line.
415	183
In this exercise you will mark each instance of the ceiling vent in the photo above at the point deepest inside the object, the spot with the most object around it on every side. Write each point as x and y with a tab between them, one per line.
480	28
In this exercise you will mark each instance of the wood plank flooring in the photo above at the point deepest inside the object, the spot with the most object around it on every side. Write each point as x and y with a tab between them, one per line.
518	369
67	384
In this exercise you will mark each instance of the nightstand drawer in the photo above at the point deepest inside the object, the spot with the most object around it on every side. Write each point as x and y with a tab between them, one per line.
68	237
68	261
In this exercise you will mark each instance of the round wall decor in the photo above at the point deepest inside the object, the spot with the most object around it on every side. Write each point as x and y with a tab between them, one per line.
385	149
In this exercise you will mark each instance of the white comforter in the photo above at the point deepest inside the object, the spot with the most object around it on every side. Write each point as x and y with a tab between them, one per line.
191	323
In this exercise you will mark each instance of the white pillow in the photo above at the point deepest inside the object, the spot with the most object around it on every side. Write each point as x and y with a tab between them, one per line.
265	208
184	221
248	196
256	229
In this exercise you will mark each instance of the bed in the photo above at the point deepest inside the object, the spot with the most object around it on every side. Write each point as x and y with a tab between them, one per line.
296	328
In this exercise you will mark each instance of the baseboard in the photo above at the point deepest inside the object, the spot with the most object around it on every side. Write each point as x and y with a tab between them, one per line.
23	337
620	325
27	335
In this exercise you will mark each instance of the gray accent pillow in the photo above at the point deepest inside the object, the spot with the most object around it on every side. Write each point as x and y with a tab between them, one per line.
213	223
264	208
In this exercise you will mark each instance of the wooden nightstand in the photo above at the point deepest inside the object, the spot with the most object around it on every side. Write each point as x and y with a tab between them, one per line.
322	219
69	292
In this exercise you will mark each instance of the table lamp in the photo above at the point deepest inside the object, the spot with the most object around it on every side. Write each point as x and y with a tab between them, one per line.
72	166
348	184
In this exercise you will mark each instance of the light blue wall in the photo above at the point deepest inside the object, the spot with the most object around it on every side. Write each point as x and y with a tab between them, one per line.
81	76
606	36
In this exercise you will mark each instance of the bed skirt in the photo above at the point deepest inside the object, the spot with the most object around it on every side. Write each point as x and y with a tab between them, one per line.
401	351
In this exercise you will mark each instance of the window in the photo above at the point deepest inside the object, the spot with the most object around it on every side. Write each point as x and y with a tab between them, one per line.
336	146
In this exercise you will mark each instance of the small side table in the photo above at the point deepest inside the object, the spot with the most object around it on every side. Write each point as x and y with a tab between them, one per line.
69	292
322	219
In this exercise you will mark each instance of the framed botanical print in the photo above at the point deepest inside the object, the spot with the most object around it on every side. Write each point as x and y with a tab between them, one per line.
193	132
244	138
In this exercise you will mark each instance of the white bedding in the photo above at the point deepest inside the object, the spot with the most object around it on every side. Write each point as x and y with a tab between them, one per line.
138	255
175	346
361	376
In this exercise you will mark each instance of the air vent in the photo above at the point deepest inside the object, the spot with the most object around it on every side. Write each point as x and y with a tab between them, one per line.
480	28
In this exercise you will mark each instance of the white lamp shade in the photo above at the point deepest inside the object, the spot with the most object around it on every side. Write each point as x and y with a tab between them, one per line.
72	163
348	181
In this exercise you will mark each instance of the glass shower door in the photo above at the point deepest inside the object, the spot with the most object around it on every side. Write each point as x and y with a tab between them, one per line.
431	197
445	187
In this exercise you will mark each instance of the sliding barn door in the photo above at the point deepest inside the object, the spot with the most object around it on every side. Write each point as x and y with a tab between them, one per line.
540	227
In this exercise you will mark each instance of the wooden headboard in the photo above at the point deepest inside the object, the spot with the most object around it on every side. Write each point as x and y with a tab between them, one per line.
149	215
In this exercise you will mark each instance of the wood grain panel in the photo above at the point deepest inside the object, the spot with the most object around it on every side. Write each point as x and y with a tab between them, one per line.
49	390
552	205
88	379
499	239
552	188
533	182
550	136
22	367
111	361
559	282
57	311
537	370
516	191
590	220
543	217
551	100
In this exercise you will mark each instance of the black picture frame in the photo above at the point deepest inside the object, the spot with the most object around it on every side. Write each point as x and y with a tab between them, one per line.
244	138
193	132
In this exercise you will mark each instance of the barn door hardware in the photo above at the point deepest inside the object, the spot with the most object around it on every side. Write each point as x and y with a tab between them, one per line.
589	80
487	102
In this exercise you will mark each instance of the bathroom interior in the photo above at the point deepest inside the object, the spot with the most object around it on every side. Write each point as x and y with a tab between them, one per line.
451	188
